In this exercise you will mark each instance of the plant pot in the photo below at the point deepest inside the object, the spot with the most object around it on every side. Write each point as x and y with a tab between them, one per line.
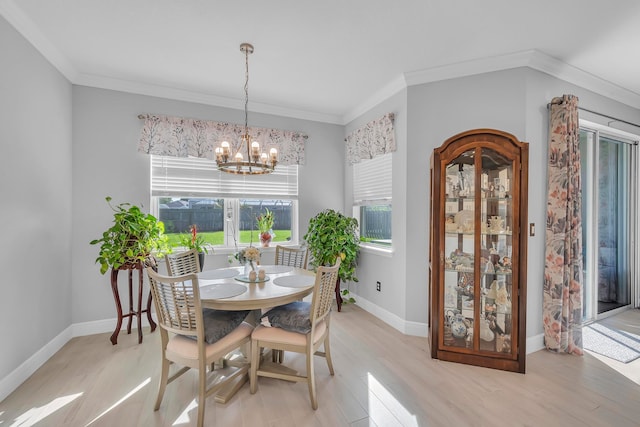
201	260
265	239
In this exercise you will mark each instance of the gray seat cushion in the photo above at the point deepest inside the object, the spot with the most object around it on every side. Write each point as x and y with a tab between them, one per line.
291	317
218	323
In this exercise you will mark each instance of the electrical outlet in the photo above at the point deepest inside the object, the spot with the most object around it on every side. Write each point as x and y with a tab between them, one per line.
378	286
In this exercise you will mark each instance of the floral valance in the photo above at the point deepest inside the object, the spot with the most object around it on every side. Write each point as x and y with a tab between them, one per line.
183	137
371	140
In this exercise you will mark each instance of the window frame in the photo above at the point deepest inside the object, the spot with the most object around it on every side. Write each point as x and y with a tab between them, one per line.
590	224
377	192
232	205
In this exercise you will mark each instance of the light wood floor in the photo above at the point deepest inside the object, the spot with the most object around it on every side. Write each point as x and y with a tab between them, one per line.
383	378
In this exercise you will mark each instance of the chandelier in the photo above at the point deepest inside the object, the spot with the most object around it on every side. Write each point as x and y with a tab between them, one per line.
257	162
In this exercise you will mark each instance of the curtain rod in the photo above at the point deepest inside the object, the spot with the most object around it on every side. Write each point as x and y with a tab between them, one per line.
614	119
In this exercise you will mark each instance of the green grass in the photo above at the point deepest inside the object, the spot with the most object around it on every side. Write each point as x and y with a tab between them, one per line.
216	238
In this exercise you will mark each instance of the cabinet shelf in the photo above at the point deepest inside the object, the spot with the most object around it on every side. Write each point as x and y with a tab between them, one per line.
471	233
477	289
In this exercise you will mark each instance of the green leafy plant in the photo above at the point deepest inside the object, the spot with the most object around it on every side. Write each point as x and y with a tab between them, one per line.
194	240
131	239
265	221
331	235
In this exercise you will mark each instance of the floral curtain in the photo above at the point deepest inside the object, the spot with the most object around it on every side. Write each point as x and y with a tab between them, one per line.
371	140
182	137
562	299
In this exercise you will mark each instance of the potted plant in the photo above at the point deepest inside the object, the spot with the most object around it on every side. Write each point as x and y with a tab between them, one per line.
196	241
132	238
331	234
265	227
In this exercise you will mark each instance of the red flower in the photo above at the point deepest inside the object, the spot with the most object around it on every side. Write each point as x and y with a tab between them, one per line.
194	233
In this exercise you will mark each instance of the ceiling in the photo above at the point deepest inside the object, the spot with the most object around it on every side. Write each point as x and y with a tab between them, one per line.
327	60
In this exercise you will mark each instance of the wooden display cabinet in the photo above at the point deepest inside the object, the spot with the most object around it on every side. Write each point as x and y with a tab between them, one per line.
478	250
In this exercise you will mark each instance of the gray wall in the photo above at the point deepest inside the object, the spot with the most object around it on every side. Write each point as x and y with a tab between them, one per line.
67	147
513	101
438	111
35	254
106	163
390	270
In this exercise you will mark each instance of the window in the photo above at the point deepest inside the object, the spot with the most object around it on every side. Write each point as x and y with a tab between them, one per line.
609	190
372	199
224	207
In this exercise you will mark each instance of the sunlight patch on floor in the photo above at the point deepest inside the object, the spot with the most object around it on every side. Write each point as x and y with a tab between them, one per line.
184	416
630	370
34	415
384	408
125	397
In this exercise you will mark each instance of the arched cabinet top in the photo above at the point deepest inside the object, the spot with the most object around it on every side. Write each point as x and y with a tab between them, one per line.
490	138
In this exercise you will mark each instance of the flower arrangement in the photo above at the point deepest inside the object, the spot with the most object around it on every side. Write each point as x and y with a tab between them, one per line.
248	255
265	221
194	240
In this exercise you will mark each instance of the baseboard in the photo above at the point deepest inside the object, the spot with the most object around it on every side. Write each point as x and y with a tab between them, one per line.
406	327
19	375
29	366
418	329
535	343
102	326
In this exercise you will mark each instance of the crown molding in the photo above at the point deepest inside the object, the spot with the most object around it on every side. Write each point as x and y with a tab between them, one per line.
533	59
26	27
563	71
148	89
387	91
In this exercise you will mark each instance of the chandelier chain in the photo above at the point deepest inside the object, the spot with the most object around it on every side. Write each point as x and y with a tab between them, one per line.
257	162
246	92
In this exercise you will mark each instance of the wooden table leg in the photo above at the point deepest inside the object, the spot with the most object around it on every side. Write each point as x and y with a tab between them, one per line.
130	275
133	311
338	295
116	297
139	310
149	318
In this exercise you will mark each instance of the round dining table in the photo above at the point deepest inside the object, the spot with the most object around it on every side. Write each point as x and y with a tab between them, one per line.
228	288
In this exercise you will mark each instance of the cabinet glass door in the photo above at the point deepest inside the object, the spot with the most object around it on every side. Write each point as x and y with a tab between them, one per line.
497	223
460	231
478	250
483	310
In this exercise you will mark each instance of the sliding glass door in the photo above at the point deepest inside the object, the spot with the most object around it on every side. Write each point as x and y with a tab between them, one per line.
609	182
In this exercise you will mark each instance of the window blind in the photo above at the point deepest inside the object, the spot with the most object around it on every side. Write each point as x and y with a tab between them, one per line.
372	180
196	177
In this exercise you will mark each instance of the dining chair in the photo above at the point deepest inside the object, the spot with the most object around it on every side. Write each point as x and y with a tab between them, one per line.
189	262
300	327
183	263
293	257
197	340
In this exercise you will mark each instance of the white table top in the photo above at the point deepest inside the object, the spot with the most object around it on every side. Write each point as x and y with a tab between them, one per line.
257	295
